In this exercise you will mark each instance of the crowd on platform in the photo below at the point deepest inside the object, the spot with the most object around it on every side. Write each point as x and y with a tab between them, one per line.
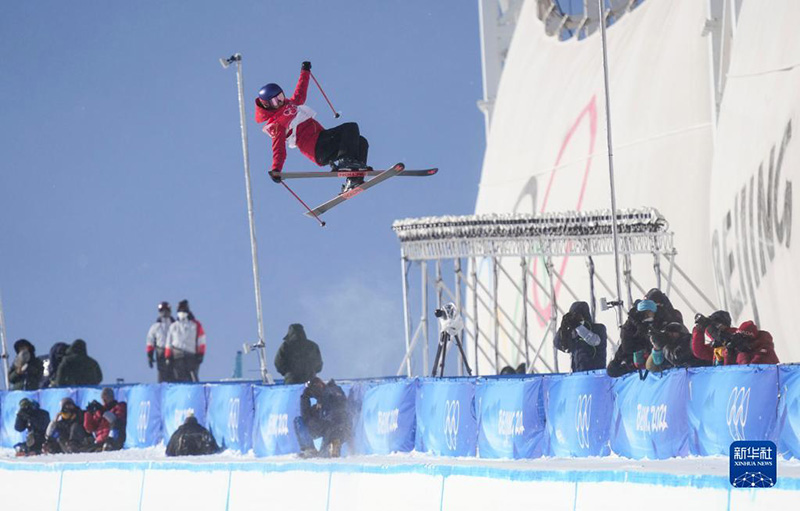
654	338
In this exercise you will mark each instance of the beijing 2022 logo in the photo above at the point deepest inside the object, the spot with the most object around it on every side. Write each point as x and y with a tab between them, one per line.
452	417
738	408
583	418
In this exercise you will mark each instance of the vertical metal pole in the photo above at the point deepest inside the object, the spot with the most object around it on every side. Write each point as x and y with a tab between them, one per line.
265	376
610	161
523	262
592	297
548	264
438	283
406	316
495	308
457	264
474	274
424	319
657	268
3	347
627	272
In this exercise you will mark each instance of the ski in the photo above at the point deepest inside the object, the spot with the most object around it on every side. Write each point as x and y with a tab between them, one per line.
351	173
397	169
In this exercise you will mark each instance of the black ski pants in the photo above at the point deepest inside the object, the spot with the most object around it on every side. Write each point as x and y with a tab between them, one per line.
343	141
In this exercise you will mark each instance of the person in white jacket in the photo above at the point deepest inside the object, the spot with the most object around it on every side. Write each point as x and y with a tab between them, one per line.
186	345
157	342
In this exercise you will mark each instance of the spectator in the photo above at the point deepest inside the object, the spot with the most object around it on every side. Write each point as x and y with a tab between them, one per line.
708	338
328	418
634	347
66	434
26	371
106	422
671	348
298	359
157	342
191	439
186	345
51	363
34	420
77	368
583	339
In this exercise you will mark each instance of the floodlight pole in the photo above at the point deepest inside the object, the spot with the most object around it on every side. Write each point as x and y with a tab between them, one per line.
262	356
4	353
614	232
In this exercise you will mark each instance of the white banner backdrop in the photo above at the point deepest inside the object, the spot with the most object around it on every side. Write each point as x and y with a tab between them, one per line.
547	146
756	160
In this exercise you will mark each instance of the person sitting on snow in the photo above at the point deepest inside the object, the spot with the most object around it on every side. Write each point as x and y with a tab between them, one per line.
34	420
291	121
191	439
106	421
328	418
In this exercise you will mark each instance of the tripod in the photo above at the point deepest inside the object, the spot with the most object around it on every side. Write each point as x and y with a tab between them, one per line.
441	353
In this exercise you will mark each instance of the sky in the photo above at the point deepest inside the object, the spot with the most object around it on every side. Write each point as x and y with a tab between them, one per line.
122	182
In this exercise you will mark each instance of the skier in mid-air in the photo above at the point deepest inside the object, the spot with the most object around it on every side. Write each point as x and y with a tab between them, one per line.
291	121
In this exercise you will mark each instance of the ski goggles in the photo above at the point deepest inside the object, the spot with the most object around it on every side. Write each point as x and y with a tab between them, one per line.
275	101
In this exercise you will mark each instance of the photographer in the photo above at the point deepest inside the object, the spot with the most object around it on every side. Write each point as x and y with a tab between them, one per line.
191	439
671	348
328	418
106	422
752	346
66	434
709	337
34	420
26	371
583	339
634	346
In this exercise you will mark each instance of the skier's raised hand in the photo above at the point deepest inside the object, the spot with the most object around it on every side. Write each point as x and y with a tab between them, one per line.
306	66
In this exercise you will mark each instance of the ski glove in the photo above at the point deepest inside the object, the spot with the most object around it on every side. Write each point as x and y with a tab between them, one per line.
306	66
275	179
150	359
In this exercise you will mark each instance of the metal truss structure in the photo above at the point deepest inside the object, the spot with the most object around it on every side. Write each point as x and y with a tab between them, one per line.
504	240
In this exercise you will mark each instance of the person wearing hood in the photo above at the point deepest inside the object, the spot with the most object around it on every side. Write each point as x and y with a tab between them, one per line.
65	434
583	339
77	368
106	421
186	345
298	359
51	363
290	121
634	346
156	343
752	346
665	312
672	348
709	338
26	371
328	416
34	420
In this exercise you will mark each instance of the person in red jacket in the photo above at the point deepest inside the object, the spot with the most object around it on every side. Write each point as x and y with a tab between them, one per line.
291	121
753	346
709	338
106	422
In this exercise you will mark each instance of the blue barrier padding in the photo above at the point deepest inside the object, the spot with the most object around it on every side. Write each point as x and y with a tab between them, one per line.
789	410
230	415
510	418
179	400
650	416
144	428
387	420
50	399
578	410
273	425
447	423
8	410
731	403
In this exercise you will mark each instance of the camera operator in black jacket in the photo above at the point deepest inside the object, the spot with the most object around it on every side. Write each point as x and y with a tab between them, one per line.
583	339
191	439
672	347
634	342
328	417
34	420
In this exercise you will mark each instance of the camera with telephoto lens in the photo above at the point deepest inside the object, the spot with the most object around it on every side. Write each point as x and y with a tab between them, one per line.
94	406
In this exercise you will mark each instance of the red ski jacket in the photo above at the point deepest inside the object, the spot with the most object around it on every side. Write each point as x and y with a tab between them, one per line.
99	424
705	351
763	347
293	122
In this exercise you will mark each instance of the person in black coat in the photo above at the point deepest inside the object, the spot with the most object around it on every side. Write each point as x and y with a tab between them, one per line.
77	368
66	434
672	347
634	340
191	439
298	359
51	363
583	339
26	371
328	417
34	420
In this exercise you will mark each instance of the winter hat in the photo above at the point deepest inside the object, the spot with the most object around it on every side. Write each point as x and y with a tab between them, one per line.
748	328
164	306
23	343
269	91
107	394
647	305
183	306
25	403
67	403
721	317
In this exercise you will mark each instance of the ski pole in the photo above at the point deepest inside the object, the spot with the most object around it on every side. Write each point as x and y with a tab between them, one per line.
335	113
321	223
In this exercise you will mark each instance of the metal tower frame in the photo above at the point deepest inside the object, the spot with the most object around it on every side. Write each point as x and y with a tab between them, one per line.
500	238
